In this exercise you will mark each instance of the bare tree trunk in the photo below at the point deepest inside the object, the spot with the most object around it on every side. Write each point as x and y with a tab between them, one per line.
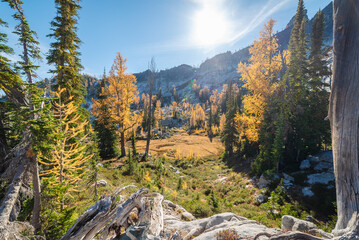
149	125
344	111
4	149
11	196
123	148
37	195
151	82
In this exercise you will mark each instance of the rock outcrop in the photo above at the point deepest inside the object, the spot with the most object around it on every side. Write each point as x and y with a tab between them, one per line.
148	216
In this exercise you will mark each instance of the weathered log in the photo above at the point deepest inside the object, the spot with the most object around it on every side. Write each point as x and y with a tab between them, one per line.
15	172
107	215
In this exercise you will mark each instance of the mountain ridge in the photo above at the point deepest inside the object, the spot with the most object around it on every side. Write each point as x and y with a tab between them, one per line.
221	68
215	71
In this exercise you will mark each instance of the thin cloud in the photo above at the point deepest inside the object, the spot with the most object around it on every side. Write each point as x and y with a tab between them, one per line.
258	19
265	12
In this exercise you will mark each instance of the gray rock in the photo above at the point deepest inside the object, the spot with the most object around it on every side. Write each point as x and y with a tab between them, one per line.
287	181
307	192
261	198
288	177
99	165
245	230
321	166
326	156
176	236
188	216
314	160
305	164
290	223
323	178
102	182
263	182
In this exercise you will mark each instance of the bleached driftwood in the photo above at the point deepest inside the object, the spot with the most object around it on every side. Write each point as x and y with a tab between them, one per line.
107	216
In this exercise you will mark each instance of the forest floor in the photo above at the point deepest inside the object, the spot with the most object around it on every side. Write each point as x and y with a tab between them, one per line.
184	144
188	170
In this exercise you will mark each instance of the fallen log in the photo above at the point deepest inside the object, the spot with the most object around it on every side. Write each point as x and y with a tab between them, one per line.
14	173
108	216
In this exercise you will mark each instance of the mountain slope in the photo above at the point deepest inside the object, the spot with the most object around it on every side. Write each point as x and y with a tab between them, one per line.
216	71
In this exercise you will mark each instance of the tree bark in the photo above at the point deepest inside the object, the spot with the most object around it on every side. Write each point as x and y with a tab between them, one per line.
123	142
151	83
4	149
35	222
344	110
11	196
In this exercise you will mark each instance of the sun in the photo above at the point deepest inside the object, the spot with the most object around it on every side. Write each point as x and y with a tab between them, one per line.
211	27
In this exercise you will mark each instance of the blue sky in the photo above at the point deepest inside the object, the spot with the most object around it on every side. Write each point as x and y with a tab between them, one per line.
172	31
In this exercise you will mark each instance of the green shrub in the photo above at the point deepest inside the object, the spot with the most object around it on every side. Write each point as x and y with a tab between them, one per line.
202	211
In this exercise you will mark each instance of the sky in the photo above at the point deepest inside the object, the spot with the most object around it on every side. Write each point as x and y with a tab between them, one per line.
174	32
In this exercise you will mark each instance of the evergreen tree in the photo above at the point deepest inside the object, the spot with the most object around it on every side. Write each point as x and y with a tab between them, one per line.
230	132
318	99
299	17
64	54
4	49
103	125
297	91
27	39
5	76
133	143
151	82
30	53
318	64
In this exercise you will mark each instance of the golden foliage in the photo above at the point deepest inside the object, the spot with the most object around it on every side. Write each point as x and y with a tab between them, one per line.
175	109
158	113
260	78
120	94
147	177
222	122
196	87
198	117
65	165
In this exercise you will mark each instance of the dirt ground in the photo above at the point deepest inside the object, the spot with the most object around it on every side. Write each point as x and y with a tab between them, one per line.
183	144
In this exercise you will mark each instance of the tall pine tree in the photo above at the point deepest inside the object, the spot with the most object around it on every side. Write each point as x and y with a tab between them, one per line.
230	132
103	125
64	54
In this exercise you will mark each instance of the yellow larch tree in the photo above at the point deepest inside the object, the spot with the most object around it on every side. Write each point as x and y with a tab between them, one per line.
198	118
175	110
260	78
64	167
121	93
158	114
222	122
